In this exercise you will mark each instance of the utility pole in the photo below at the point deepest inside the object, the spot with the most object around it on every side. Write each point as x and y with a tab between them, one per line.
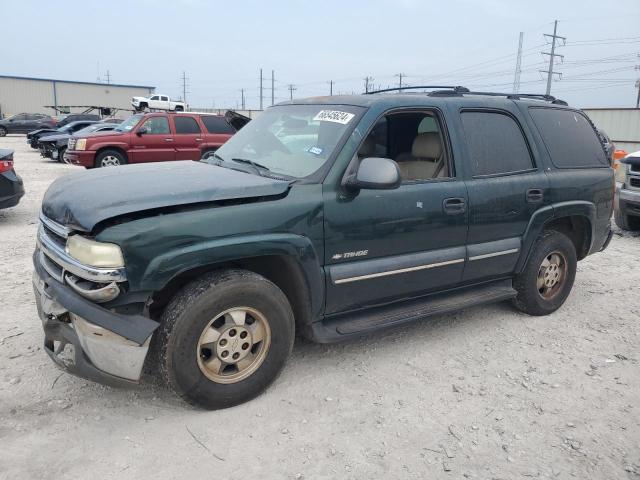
184	86
291	88
400	75
550	73
516	77
367	83
242	93
108	75
330	87
260	89
273	82
638	98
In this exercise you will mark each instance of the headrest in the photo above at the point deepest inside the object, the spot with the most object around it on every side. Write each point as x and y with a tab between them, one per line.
427	145
368	148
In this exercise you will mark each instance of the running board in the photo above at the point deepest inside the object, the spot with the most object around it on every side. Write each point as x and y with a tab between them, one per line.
344	326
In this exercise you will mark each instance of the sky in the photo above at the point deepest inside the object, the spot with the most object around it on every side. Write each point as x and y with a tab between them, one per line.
221	46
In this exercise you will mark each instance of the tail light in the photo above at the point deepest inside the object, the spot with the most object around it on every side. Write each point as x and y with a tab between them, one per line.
6	165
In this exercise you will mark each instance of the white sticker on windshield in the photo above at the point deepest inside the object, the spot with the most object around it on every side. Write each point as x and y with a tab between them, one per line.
315	150
334	116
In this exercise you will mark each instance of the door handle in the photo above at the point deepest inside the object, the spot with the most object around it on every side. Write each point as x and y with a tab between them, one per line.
535	195
454	206
198	139
168	139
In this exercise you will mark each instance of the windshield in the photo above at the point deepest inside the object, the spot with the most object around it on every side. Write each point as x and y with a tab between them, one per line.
291	140
89	129
129	123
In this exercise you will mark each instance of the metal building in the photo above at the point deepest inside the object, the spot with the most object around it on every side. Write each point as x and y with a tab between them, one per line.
621	124
32	95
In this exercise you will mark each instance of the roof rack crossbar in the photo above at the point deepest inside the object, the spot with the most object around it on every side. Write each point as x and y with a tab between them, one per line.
455	88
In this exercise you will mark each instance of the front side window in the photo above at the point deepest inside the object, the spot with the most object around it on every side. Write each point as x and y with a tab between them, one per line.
186	125
292	140
569	137
495	144
157	126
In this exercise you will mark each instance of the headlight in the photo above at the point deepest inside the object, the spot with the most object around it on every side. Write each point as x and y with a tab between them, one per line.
621	173
81	144
96	254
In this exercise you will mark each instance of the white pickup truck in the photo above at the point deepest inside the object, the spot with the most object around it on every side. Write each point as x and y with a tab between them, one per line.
157	102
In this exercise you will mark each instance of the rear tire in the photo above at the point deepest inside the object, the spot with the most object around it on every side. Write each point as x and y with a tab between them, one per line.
179	108
3	132
224	338
110	158
547	279
626	222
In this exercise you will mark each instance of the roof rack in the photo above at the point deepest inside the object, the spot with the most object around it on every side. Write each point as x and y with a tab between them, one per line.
454	89
444	90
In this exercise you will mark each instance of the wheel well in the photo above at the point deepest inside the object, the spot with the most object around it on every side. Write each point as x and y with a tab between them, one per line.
283	271
117	149
577	228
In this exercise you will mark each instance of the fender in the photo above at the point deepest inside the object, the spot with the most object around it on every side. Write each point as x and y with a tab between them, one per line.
551	212
162	269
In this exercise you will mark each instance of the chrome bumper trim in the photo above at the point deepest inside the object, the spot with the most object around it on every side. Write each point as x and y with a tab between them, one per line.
58	255
100	295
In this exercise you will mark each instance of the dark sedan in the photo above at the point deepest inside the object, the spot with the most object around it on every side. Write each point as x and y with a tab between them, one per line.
33	138
25	122
54	146
11	188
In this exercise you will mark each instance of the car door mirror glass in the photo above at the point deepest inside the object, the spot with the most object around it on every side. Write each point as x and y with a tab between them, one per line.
375	173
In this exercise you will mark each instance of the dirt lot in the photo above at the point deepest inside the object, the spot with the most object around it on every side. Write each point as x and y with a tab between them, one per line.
484	393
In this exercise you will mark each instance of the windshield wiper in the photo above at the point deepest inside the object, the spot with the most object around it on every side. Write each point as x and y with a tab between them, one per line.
259	168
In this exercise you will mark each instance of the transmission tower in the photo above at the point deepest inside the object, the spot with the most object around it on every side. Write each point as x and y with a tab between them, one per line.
516	77
552	55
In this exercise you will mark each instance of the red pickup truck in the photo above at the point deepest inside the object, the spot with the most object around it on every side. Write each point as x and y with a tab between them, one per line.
155	137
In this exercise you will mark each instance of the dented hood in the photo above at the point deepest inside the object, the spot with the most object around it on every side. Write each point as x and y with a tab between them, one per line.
82	200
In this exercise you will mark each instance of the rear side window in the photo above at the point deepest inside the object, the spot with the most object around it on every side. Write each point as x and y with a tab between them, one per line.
186	125
569	137
495	143
217	125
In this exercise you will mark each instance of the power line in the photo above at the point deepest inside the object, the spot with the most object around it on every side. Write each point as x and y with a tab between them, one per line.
291	88
553	55
400	75
108	75
367	83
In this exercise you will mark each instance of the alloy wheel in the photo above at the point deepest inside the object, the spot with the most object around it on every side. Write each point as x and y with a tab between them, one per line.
233	345
552	275
110	161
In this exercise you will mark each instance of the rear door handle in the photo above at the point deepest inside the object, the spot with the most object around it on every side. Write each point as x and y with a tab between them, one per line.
454	206
168	139
535	195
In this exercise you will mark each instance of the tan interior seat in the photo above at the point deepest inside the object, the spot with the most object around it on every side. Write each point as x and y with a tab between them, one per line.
425	160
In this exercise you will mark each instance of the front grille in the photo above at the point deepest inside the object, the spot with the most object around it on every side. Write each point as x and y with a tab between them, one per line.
71	145
634	182
58	239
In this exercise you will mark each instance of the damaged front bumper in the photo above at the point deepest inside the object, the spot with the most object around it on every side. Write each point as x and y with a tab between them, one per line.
86	339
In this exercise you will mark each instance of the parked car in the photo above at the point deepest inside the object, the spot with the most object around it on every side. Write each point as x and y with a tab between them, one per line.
11	187
627	197
25	122
332	217
75	117
33	138
155	137
117	121
157	102
54	146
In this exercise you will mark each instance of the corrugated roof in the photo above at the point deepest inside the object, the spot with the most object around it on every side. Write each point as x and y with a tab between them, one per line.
75	82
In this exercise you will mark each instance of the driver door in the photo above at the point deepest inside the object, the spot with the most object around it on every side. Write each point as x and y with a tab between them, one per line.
156	144
386	245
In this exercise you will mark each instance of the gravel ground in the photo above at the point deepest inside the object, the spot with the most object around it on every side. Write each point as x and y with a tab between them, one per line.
483	393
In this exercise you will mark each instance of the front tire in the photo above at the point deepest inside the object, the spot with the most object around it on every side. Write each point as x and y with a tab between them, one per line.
224	338
547	279
61	152
3	132
110	158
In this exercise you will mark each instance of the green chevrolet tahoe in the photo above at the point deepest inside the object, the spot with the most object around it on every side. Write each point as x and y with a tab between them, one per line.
330	217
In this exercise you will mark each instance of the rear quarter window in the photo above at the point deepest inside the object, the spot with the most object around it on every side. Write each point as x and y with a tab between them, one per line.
217	125
185	125
569	137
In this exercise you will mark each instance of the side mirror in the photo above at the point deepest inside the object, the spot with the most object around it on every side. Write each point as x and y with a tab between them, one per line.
375	173
141	131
